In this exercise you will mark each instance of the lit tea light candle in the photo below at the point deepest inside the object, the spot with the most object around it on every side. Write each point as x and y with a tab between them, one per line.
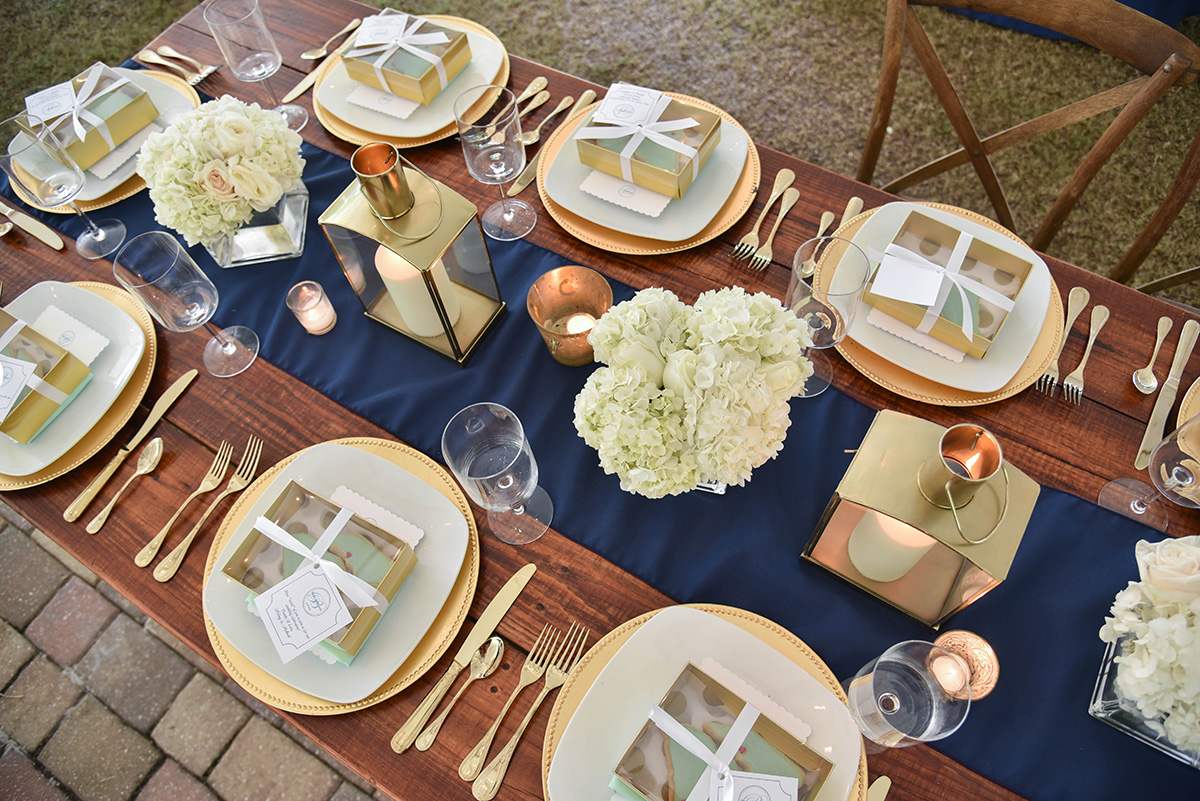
407	289
312	308
580	323
949	673
884	549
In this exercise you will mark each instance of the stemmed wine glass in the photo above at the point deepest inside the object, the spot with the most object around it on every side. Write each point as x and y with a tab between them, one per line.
38	163
830	305
250	50
1174	467
495	154
161	274
485	446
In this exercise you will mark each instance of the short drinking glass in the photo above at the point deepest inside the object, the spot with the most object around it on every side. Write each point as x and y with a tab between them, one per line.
485	446
495	154
161	274
915	692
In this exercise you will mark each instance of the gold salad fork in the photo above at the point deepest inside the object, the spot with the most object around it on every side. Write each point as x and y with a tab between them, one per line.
1076	301
211	479
240	480
1073	383
150	57
745	248
566	657
202	70
762	256
535	665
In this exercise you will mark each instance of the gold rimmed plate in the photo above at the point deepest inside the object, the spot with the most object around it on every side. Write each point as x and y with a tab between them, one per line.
910	385
386	130
437	638
121	409
734	207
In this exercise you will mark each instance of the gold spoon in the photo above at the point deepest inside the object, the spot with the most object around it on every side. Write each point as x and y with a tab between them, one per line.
532	137
5	228
147	461
483	664
323	50
1144	379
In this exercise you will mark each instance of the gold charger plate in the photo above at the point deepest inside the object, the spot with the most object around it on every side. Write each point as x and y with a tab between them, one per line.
588	670
735	207
359	136
271	690
122	408
902	382
134	183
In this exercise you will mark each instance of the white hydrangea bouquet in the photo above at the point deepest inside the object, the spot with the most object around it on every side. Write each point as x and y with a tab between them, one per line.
691	393
1156	625
213	167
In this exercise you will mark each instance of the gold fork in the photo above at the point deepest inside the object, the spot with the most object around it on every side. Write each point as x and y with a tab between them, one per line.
240	480
211	479
745	248
762	256
531	671
202	70
1076	300
1073	383
150	57
566	657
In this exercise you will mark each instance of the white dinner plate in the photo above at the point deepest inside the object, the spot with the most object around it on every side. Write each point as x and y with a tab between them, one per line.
1016	338
321	469
111	371
170	103
487	57
683	218
616	705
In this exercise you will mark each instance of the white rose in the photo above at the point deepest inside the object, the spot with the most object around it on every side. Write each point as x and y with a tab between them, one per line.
214	179
679	376
1172	565
645	354
233	134
255	184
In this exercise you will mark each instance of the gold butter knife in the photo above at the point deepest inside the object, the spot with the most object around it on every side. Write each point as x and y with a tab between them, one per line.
482	630
1156	428
160	408
311	78
527	175
31	226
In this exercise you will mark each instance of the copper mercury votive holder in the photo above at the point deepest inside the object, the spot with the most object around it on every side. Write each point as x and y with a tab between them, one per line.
565	304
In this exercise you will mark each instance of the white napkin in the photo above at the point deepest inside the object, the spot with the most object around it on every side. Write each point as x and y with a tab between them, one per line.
122	152
369	97
82	342
625	194
885	322
374	513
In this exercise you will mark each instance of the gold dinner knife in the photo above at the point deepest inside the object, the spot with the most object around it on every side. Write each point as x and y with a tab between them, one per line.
311	78
527	175
1156	428
31	226
160	408
482	630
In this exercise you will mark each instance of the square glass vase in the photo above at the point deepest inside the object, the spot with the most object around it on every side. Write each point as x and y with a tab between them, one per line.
271	235
1110	706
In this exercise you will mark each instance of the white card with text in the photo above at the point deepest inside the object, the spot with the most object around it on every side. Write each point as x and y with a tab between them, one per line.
14	375
626	104
302	610
760	787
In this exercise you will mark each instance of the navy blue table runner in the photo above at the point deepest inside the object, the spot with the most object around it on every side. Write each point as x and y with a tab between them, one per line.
1032	735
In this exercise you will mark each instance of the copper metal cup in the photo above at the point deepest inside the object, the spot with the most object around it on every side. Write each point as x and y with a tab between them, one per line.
968	455
381	179
564	304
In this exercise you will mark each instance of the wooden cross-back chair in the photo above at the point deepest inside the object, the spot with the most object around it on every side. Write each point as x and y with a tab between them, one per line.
1165	57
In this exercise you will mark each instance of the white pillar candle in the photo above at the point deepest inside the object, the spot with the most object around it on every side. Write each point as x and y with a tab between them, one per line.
884	549
407	289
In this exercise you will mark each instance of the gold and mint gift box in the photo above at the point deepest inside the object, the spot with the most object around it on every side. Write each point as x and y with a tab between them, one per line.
124	110
653	165
986	264
55	367
361	549
655	768
404	73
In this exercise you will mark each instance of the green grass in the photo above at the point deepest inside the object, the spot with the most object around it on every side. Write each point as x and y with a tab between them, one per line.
800	76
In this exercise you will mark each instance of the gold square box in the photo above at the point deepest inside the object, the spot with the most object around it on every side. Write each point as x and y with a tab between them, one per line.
412	77
32	413
125	110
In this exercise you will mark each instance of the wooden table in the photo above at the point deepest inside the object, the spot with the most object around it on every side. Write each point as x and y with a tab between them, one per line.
1073	448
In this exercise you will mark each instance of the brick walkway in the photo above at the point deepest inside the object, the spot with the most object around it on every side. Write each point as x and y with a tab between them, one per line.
99	703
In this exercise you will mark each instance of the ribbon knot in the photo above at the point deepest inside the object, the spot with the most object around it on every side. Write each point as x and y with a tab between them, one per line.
716	783
358	591
85	96
404	38
654	130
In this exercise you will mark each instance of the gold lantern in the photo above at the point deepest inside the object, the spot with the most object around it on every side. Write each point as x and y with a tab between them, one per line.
927	518
413	250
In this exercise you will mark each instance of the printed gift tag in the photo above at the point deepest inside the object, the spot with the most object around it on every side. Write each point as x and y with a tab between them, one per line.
52	102
379	29
302	610
14	375
760	787
384	102
623	193
626	104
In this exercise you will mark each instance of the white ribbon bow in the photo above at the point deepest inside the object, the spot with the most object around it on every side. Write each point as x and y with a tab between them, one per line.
952	280
87	94
409	40
654	130
35	383
716	782
354	588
